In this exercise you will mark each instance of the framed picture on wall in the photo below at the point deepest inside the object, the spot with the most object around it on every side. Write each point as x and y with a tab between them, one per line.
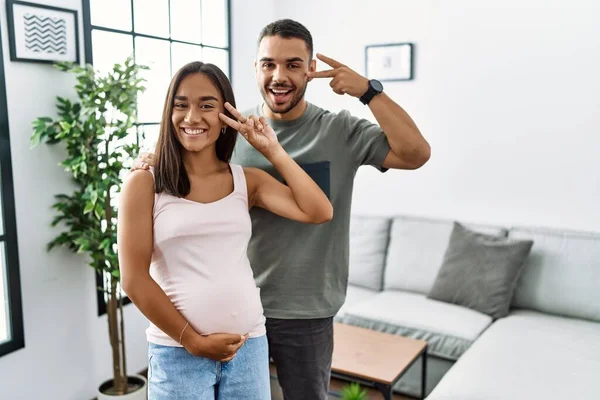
40	33
389	62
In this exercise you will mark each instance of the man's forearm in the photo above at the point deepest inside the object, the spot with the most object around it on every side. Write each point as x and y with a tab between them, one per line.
403	135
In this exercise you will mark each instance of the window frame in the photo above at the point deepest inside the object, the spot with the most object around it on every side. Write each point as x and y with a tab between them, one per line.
9	236
89	59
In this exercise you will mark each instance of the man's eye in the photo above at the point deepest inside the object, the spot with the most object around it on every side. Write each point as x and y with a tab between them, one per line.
267	65
292	66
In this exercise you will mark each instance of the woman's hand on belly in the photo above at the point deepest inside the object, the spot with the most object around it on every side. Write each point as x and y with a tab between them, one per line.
218	346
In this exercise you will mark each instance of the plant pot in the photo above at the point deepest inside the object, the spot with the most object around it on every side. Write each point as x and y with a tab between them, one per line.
137	382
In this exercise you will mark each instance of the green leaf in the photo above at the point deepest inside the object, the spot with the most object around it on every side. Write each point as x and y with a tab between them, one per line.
94	196
116	273
89	207
98	211
353	391
36	138
64	125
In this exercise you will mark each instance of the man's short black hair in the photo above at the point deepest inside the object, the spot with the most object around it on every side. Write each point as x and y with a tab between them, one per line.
288	29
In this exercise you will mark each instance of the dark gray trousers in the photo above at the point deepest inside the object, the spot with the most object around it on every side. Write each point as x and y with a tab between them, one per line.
301	350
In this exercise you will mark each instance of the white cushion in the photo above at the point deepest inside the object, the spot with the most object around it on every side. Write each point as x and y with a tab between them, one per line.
416	251
528	355
369	237
449	329
562	273
354	295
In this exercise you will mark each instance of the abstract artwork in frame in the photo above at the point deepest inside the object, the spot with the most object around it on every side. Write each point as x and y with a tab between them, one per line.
389	62
40	33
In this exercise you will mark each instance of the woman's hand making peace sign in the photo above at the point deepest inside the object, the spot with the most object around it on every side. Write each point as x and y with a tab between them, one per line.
255	130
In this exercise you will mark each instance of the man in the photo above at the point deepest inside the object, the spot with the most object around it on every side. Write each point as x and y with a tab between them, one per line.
302	270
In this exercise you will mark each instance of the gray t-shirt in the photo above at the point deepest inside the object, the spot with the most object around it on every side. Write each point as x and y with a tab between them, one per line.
302	269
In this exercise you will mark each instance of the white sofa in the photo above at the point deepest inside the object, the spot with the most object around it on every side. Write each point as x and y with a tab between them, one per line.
549	345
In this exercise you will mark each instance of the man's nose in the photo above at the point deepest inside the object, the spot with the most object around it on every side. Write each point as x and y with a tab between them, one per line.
279	75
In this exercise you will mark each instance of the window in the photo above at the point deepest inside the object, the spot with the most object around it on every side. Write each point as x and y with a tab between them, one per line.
162	34
11	315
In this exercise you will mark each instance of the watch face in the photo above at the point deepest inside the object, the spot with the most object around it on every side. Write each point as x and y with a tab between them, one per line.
377	86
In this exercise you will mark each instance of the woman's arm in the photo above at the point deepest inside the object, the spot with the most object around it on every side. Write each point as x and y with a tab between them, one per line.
302	199
135	245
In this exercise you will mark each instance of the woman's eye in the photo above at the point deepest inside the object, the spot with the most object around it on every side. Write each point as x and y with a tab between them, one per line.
207	106
179	105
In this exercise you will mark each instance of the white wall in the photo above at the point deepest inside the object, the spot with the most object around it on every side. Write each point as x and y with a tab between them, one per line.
67	353
247	19
505	91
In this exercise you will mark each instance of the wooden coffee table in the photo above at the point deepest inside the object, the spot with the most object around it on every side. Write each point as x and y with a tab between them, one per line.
375	359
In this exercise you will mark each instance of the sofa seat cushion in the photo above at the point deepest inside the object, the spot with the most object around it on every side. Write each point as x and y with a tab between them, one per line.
528	355
449	329
354	295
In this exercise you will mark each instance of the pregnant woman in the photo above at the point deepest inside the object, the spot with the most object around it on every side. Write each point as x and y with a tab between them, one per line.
183	232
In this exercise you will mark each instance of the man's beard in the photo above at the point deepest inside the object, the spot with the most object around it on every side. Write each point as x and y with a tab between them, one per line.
293	102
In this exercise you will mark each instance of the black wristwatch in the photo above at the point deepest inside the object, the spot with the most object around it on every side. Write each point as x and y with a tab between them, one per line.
375	87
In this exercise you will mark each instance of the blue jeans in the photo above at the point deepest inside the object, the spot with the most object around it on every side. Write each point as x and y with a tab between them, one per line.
175	374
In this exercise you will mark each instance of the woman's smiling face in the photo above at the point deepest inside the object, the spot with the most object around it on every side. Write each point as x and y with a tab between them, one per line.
196	107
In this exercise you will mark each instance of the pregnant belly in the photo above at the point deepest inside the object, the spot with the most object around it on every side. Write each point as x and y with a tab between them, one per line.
228	308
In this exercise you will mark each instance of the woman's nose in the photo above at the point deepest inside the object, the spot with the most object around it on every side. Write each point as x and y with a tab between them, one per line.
191	116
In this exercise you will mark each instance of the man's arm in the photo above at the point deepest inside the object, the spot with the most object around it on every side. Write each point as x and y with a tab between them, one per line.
409	149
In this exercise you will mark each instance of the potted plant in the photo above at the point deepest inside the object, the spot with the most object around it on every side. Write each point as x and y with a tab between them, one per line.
353	391
96	130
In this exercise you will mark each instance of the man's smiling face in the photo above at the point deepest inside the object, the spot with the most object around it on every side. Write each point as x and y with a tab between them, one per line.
281	69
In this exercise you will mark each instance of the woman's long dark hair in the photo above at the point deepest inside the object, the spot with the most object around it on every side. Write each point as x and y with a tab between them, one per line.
170	174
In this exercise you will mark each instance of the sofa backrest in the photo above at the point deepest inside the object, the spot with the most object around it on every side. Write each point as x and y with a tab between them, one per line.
416	251
562	273
369	237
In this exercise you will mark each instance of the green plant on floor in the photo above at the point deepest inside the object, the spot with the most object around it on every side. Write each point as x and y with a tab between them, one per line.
96	131
353	391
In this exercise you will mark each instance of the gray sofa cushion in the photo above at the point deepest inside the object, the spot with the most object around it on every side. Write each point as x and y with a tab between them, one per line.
448	329
525	356
562	273
354	295
416	251
369	237
480	271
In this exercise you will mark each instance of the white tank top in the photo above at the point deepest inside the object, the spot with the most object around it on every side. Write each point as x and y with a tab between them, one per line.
200	261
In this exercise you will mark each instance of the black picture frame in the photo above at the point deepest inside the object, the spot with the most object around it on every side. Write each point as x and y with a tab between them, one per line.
390	62
39	40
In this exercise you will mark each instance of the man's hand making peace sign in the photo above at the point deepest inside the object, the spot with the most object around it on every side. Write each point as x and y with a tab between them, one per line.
345	80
